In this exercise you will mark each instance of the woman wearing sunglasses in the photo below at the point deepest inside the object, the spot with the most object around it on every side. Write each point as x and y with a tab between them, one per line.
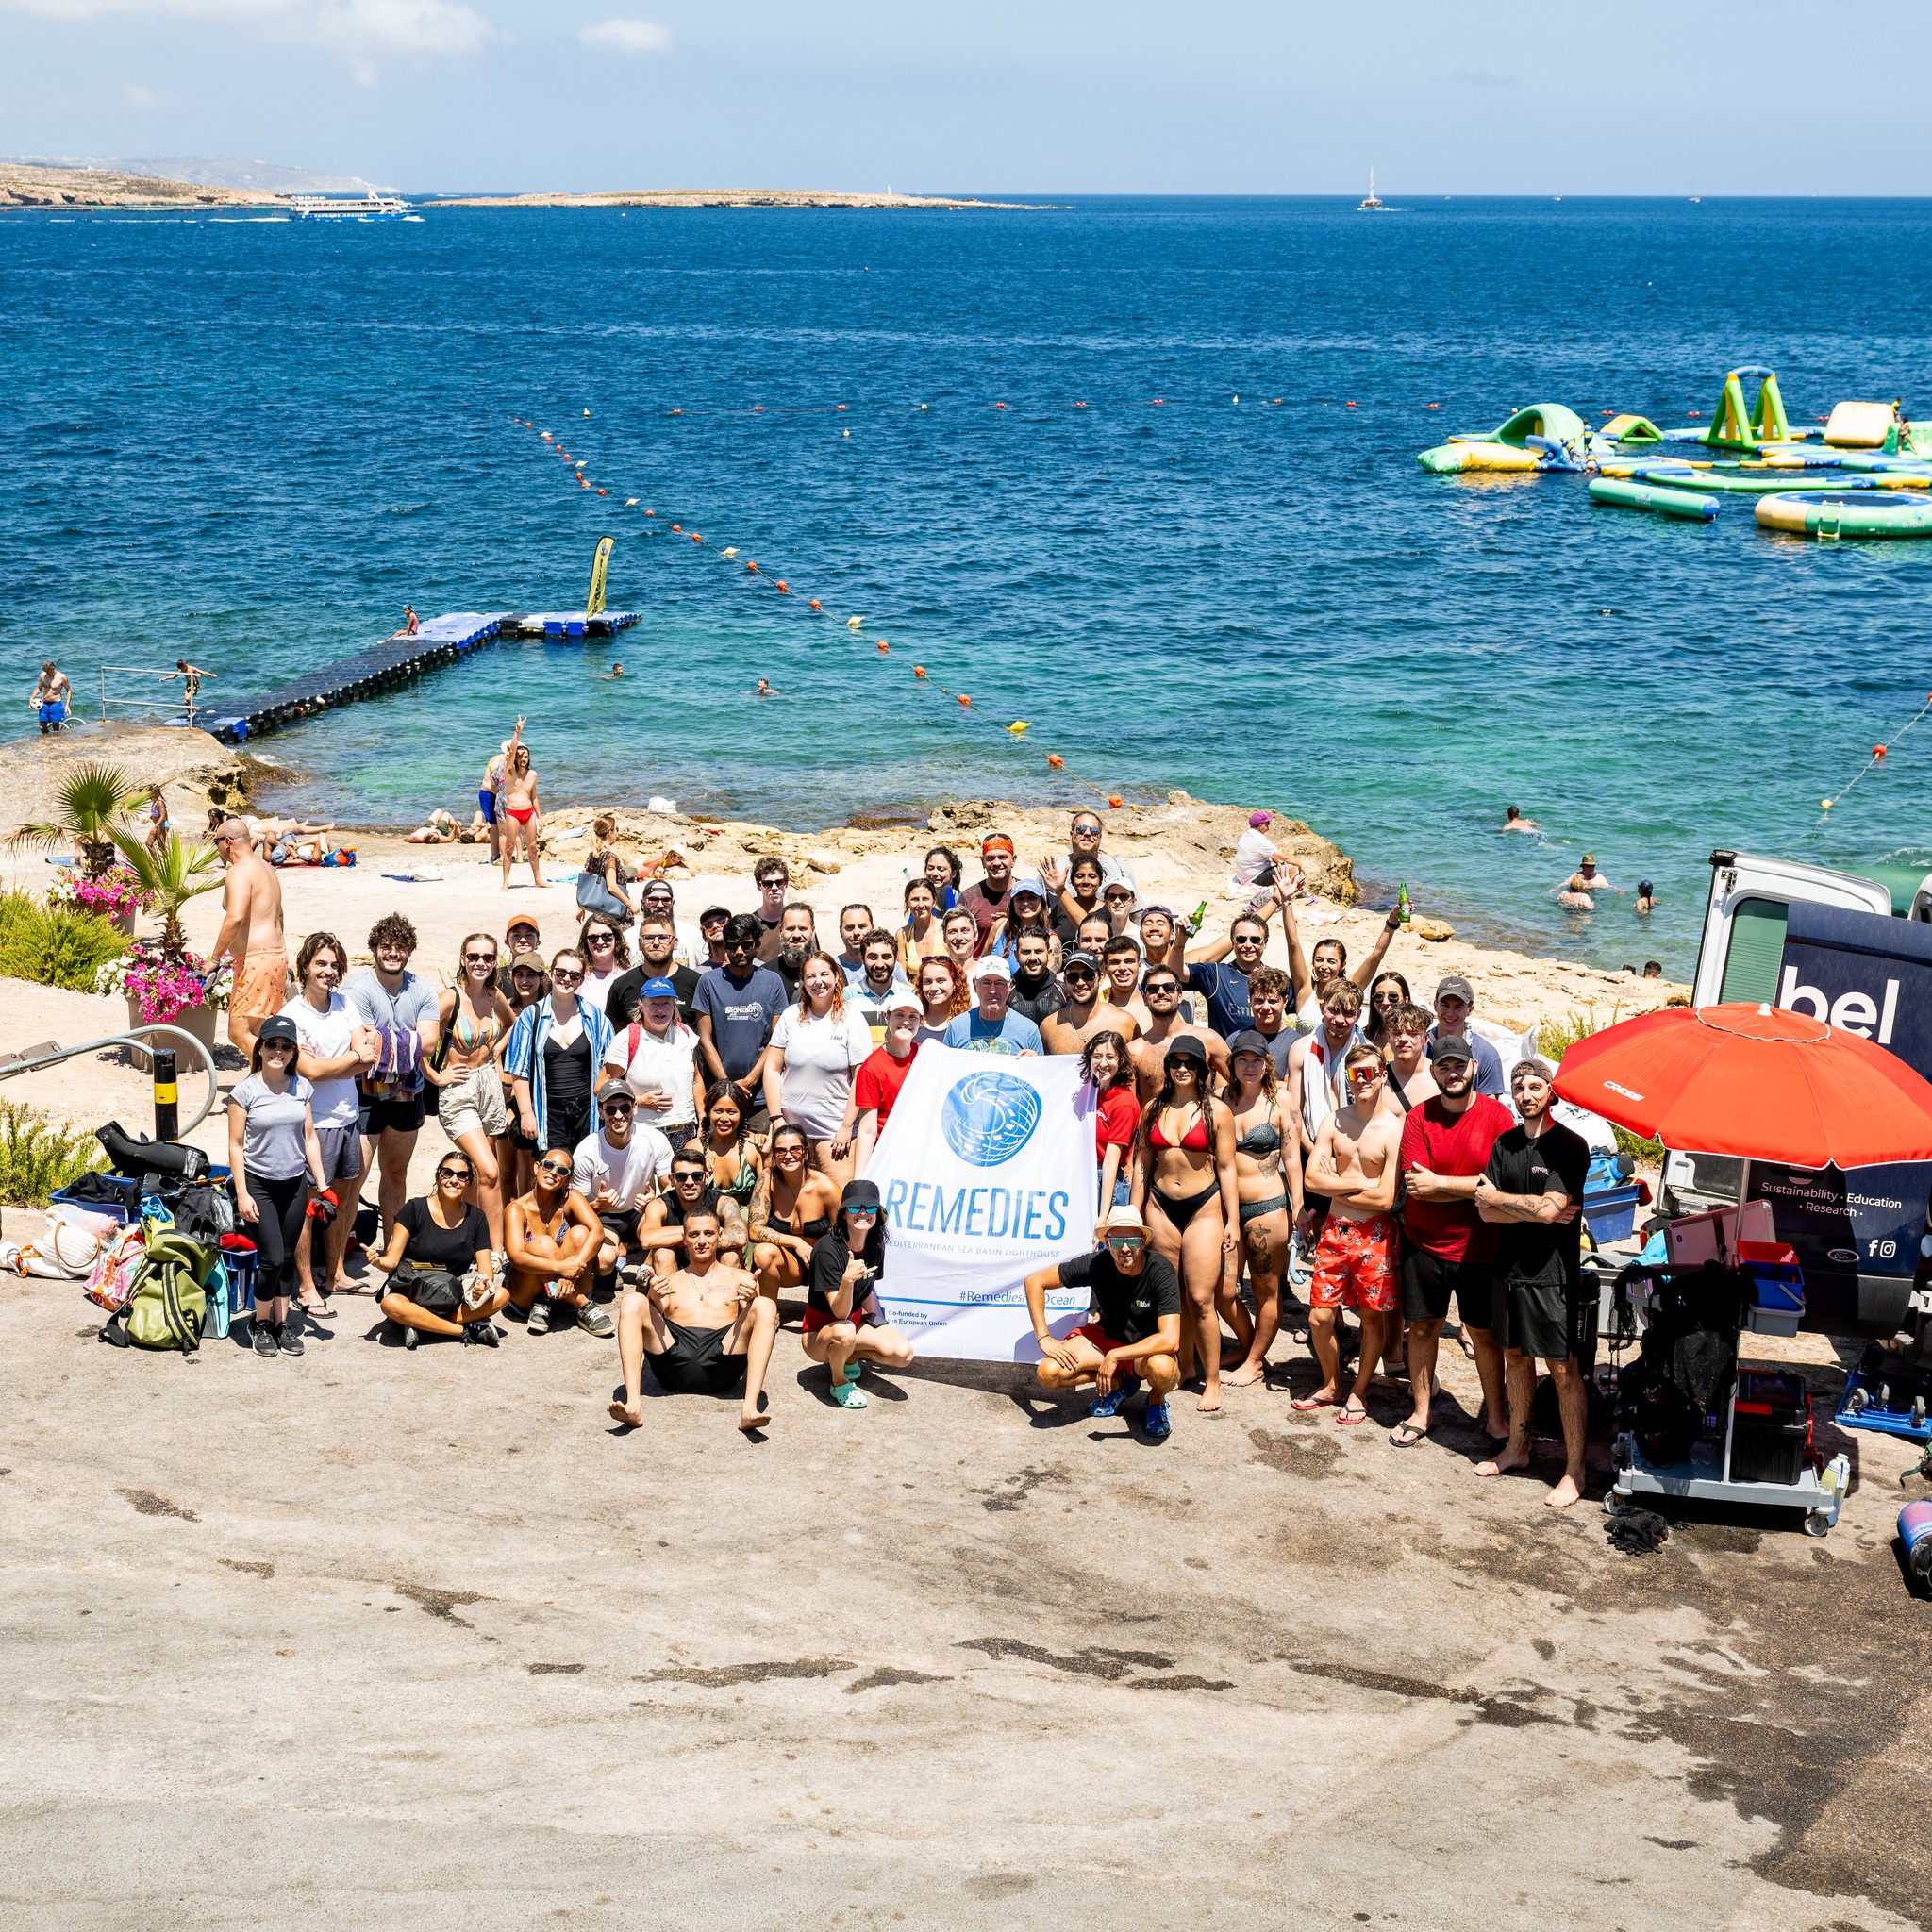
442	1272
474	1018
273	1156
845	1326
601	942
516	1151
553	1234
552	1057
791	1211
1184	1184
1388	992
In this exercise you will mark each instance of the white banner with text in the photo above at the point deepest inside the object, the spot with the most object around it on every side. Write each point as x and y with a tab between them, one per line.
987	1169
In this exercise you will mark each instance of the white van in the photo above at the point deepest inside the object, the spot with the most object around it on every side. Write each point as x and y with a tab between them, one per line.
1855	949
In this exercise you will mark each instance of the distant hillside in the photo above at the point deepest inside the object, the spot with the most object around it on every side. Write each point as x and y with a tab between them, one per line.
212	171
720	197
26	185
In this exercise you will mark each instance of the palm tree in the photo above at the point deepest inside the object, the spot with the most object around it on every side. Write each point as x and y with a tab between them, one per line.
91	802
180	873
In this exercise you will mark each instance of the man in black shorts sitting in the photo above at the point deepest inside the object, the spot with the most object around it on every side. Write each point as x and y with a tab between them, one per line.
660	1228
1135	1332
1533	1190
706	1330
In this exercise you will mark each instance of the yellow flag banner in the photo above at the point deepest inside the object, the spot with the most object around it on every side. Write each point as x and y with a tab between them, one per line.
594	604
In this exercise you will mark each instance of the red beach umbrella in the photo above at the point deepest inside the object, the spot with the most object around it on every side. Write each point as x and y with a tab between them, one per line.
1760	1083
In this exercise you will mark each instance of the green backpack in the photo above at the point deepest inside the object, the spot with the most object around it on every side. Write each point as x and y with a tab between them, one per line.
170	1300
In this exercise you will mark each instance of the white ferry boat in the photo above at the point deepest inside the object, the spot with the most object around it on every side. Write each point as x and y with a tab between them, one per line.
362	207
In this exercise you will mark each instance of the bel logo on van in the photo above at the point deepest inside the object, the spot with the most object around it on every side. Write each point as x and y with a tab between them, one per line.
1850	1012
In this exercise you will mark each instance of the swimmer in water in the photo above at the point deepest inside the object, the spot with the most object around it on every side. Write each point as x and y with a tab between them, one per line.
765	691
1574	894
616	671
1513	821
1646	896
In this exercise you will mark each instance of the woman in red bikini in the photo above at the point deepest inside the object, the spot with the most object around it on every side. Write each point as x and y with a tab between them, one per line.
525	813
1184	1183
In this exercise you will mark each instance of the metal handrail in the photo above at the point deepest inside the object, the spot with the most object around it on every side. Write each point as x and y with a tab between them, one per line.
50	1053
185	706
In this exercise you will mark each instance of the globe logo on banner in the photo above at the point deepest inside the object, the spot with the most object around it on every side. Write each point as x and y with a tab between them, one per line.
988	1117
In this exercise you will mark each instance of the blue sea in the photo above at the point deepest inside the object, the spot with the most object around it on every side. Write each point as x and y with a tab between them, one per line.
1140	472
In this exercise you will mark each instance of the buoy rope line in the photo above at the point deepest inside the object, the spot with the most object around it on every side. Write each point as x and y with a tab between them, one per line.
1878	757
782	587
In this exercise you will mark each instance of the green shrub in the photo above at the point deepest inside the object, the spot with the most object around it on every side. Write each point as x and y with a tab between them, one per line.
53	945
38	1158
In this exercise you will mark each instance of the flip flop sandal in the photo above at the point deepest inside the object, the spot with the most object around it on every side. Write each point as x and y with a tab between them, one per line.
1305	1403
1352	1418
1404	1437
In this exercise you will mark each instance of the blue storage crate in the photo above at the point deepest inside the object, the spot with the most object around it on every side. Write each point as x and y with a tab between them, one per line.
1611	1216
106	1209
1777	1283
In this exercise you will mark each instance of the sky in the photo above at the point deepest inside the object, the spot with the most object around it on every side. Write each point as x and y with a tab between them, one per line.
1003	96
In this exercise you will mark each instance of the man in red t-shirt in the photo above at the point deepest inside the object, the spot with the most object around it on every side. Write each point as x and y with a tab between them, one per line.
1445	1148
876	1086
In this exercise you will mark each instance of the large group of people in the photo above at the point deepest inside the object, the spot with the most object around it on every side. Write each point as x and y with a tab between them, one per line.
663	1129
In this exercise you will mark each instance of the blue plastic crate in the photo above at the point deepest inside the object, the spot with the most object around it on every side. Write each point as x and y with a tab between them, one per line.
1611	1216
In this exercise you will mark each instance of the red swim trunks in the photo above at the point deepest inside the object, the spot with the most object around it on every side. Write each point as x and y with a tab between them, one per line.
1355	1265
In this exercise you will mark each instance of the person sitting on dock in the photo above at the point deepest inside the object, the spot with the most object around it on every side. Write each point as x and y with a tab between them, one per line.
411	625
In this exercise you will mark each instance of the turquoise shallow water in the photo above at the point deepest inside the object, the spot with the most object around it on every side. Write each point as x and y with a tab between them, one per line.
251	441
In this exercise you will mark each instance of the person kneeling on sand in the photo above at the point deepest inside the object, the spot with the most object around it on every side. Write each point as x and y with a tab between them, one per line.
705	1329
551	1235
845	1326
1134	1331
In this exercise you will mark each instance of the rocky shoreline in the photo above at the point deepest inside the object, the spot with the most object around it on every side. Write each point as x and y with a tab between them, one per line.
26	187
723	197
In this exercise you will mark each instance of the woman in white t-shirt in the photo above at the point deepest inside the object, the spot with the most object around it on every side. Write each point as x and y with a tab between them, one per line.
601	941
815	1047
335	1046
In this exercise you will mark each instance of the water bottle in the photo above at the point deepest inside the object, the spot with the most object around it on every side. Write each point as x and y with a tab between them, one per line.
1403	910
1915	1532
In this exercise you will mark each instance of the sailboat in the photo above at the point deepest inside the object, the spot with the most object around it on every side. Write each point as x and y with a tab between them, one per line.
1372	205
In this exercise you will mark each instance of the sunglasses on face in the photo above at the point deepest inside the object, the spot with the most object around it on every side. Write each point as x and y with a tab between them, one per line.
552	1167
861	1213
1159	989
1126	1243
611	1106
565	975
1079	975
277	1046
479	959
1114	896
1390	999
1087	831
598	941
453	1173
737	946
695	1176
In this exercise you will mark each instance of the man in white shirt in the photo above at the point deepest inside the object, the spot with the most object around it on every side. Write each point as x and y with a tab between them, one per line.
616	1170
655	1055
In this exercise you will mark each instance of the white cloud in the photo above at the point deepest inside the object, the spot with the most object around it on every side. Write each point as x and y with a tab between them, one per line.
353	28
627	36
145	97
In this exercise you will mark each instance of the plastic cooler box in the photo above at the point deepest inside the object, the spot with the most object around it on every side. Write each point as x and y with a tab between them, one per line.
1771	1428
1611	1216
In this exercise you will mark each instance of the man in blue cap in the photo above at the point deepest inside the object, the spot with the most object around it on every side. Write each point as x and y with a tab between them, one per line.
656	1056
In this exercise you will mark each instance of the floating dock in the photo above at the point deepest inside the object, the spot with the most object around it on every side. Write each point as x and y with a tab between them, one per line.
398	659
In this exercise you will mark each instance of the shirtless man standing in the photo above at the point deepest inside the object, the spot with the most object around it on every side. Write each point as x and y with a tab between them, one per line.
1162	993
1354	1163
251	936
706	1329
1084	1015
1120	961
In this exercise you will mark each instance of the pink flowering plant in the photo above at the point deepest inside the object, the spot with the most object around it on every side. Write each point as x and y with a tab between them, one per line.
165	988
114	894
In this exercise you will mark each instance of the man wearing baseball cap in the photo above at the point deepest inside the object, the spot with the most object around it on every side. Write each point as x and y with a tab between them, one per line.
990	1027
521	941
876	1084
990	900
1084	1013
656	1055
1133	1331
1455	1002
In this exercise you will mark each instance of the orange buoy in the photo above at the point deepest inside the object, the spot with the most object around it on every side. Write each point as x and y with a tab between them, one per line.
783	584
1877	751
1079	405
1055	760
652	513
842	405
919	670
677	412
999	406
695	538
752	567
1349	406
1159	400
603	492
758	408
814	601
883	645
1115	803
964	699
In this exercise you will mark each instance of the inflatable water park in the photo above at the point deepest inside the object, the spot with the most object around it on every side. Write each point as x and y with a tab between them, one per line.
1865	471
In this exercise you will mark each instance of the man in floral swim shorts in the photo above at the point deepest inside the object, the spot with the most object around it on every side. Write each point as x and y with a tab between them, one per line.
1356	1163
251	935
